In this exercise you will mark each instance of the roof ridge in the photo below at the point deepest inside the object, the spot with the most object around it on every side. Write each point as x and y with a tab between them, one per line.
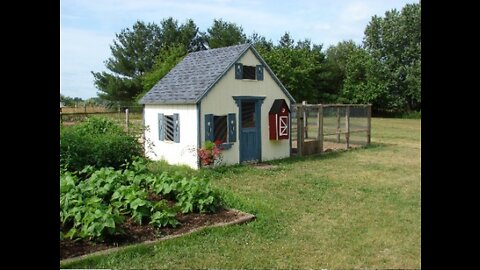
217	49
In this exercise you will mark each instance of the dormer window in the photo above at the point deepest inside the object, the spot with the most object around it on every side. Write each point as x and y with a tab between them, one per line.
249	72
243	72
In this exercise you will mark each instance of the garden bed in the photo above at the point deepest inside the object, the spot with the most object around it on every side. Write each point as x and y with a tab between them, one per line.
136	233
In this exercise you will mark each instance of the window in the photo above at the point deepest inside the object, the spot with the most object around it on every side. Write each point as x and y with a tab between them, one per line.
248	72
248	114
221	128
169	127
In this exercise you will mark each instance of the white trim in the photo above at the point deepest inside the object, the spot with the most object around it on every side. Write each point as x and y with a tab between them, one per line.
283	128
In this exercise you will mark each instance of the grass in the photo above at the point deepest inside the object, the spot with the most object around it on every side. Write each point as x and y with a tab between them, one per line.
350	209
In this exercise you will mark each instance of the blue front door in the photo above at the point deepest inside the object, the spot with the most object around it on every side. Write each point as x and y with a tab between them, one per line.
250	149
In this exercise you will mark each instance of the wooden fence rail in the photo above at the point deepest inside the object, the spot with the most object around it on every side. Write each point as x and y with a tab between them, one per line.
126	117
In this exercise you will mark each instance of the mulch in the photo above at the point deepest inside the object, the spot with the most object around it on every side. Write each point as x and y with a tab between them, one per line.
135	233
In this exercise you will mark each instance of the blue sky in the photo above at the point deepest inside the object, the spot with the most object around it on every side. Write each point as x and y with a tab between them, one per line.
88	27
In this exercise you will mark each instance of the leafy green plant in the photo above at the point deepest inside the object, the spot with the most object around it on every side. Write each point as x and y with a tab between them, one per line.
163	215
98	142
196	195
94	202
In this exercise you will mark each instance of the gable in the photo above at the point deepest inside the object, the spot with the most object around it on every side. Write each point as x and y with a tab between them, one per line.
250	58
277	106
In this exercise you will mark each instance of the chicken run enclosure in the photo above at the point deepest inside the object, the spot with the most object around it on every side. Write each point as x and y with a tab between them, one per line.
317	128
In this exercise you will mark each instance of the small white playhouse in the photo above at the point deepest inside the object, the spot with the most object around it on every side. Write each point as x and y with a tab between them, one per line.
227	94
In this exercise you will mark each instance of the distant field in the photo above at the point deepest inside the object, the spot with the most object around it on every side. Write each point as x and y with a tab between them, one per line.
339	210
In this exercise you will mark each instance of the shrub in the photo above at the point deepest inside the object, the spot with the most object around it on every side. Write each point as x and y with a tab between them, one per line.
98	142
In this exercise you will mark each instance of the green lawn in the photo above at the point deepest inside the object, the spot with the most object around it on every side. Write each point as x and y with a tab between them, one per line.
351	209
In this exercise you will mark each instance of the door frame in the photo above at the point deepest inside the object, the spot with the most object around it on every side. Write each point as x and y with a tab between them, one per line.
258	120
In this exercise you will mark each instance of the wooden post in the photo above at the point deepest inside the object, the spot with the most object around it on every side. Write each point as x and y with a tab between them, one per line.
320	127
85	107
347	125
300	132
126	118
119	115
305	118
338	124
369	123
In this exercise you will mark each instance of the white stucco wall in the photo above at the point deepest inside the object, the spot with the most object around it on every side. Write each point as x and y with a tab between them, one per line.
219	101
174	153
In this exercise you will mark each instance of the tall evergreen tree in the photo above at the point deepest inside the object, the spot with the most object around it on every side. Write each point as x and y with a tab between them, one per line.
223	34
135	52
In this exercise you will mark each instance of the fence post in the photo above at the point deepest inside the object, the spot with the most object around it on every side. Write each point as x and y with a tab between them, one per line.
305	118
126	118
338	124
85	107
320	127
369	123
300	132
347	125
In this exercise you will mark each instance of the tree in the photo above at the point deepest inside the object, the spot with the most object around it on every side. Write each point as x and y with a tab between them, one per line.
260	42
186	34
223	34
297	67
134	53
364	82
286	41
334	73
165	61
66	100
394	41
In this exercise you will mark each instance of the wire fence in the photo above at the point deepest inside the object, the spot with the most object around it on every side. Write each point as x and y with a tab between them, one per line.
327	127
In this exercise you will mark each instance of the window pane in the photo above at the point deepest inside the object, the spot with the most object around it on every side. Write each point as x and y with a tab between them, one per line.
248	114
169	128
249	72
220	128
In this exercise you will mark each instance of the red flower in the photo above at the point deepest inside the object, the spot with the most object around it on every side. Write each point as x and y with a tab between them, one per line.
208	156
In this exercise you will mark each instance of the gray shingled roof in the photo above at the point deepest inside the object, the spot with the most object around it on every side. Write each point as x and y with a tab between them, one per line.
188	81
